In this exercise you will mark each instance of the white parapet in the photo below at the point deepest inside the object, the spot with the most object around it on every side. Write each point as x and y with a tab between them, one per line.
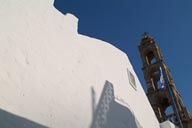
167	124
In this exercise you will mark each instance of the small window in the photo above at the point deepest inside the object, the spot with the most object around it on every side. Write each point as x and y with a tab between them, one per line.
131	79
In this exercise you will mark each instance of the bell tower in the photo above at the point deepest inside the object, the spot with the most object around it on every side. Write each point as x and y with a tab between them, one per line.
160	97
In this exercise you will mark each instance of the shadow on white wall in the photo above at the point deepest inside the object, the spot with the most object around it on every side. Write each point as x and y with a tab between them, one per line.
111	114
9	120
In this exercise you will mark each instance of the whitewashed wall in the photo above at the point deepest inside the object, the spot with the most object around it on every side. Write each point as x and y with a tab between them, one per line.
51	76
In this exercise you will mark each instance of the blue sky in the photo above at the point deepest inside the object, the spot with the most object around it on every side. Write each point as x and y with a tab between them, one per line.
123	22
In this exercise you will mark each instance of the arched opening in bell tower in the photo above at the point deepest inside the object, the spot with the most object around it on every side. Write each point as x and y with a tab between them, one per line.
150	57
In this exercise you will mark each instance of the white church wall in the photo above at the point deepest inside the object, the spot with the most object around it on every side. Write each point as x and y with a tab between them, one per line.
51	76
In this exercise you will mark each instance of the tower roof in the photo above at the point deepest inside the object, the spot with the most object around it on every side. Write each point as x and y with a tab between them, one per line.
147	39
